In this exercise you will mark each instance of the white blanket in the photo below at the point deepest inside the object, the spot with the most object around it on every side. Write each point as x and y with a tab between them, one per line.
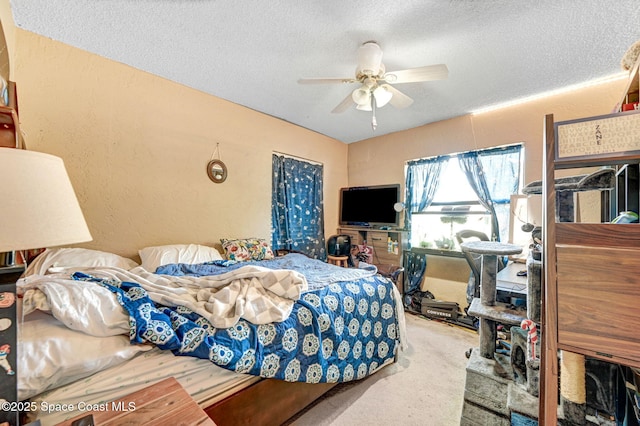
257	294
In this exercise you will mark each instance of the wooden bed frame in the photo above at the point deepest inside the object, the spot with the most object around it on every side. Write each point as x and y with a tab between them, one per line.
267	402
270	402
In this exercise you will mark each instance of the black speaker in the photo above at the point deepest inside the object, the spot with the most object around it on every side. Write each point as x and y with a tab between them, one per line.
339	245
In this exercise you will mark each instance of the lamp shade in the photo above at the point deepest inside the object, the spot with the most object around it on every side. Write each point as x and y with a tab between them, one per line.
382	95
361	96
38	207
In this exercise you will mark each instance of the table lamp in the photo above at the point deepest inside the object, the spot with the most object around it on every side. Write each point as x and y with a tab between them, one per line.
38	209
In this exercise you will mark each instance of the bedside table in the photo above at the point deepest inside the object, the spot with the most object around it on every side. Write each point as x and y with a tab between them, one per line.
10	274
8	377
165	403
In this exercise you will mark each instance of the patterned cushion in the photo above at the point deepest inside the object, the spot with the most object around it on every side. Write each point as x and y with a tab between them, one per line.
247	249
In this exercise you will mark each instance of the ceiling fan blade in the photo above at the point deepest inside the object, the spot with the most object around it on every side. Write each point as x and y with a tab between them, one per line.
326	80
412	75
344	105
399	99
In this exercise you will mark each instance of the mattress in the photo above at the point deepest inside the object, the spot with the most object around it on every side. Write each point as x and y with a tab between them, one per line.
62	370
95	347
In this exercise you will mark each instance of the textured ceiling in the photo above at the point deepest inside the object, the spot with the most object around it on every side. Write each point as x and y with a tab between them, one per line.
252	52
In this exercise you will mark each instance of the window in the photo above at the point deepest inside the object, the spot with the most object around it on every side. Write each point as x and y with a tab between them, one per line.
450	185
455	207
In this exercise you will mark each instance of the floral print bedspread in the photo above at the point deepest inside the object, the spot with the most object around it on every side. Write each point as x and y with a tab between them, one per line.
342	332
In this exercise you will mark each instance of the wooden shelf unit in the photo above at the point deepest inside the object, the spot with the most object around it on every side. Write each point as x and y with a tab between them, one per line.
10	136
627	189
632	90
378	239
591	283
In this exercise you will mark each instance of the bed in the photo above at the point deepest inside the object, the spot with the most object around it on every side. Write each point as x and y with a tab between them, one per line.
250	336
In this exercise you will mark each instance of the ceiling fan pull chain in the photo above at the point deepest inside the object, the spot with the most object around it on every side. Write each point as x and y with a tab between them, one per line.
374	122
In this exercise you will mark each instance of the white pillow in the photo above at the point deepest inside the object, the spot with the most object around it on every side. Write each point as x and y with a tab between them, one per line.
51	355
152	257
76	257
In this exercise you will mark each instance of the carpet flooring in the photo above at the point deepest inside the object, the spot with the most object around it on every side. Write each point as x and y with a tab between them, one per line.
425	387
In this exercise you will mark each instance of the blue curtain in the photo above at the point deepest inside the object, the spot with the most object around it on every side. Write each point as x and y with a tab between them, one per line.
494	175
502	175
297	209
472	168
421	184
415	265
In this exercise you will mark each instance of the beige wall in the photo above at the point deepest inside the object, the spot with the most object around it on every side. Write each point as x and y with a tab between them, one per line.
136	148
378	160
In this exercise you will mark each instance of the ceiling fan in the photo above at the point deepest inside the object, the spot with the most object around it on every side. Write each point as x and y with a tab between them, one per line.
375	89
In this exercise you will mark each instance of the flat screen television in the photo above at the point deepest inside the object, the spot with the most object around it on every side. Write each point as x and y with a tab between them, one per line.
369	205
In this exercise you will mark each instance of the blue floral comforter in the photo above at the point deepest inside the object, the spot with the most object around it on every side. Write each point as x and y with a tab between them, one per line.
343	331
317	273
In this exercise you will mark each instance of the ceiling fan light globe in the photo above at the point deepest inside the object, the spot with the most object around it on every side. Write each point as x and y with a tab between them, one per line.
364	107
382	95
361	96
369	58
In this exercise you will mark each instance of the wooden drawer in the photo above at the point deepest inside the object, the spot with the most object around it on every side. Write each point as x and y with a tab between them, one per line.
354	234
598	307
